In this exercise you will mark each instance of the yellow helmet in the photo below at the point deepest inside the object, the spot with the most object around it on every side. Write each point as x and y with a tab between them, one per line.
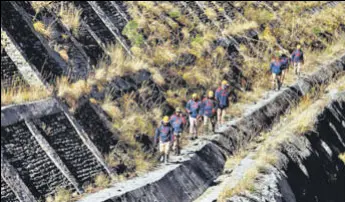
210	93
165	119
298	46
224	82
194	95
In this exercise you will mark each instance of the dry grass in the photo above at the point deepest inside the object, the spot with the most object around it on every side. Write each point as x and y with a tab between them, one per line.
342	157
240	27
121	63
62	195
41	28
71	92
102	181
235	159
64	55
339	85
298	121
210	13
247	183
38	5
18	94
70	16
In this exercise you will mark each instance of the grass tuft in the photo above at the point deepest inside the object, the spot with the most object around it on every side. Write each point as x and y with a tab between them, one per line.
18	94
70	16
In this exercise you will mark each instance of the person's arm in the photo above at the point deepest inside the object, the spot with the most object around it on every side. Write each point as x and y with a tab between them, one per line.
188	107
184	122
293	56
271	67
217	95
172	119
202	108
171	135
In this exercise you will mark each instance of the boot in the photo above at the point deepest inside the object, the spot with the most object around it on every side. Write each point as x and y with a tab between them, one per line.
178	151
161	158
166	158
279	85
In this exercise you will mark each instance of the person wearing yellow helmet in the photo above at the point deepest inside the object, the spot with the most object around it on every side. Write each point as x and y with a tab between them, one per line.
222	96
209	111
297	59
285	63
178	123
193	109
164	136
276	70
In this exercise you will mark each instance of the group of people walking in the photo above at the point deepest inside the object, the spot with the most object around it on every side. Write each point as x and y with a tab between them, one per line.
280	64
212	108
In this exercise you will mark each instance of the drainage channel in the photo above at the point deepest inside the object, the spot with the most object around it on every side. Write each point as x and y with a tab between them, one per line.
181	180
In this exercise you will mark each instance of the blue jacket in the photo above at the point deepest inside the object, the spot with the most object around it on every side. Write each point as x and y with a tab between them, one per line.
164	133
284	60
276	67
297	56
209	107
177	122
222	97
193	108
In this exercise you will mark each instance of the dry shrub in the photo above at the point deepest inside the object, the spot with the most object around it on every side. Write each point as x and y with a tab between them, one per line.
62	195
102	181
41	28
70	17
18	94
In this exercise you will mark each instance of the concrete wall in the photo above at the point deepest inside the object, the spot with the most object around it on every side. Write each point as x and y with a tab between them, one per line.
308	168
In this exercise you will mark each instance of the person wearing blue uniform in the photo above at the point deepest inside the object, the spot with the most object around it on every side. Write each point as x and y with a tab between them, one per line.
193	109
209	111
285	62
297	59
178	123
222	98
276	70
164	136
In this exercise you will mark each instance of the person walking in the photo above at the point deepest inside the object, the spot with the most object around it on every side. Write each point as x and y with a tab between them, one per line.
222	98
193	109
209	111
285	62
276	70
164	136
297	59
178	123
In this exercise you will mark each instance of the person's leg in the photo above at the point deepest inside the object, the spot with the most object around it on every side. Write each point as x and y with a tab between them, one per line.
195	128
223	115
295	67
174	142
213	123
273	81
177	147
279	82
299	66
219	116
191	125
161	152
205	128
283	76
166	152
